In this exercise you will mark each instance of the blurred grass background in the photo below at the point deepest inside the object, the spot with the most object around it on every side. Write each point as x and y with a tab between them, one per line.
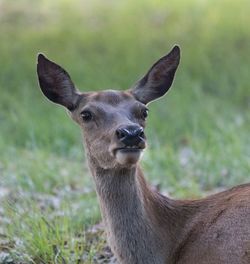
198	134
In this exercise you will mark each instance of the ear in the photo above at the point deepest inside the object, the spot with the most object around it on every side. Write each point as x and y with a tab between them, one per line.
56	84
158	79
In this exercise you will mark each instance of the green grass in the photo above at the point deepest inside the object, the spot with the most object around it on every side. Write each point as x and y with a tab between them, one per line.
198	134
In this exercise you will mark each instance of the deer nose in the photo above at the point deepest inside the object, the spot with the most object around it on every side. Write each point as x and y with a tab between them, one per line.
130	135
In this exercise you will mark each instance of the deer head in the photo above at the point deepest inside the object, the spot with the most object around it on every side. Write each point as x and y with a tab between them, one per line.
112	121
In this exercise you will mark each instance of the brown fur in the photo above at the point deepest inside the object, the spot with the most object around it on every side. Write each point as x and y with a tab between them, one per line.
142	225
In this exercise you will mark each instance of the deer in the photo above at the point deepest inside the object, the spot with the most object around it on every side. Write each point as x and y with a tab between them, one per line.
142	225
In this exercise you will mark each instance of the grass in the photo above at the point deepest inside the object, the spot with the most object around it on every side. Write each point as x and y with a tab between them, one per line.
198	134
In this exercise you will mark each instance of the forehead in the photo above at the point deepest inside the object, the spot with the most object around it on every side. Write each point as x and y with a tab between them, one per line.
108	98
111	97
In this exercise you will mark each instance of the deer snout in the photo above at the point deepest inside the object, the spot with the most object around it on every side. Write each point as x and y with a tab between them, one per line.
132	135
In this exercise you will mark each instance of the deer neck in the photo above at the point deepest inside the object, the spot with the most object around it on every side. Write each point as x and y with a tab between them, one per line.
133	216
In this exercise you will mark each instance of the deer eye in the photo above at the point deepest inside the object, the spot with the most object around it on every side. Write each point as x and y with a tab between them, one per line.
86	116
144	113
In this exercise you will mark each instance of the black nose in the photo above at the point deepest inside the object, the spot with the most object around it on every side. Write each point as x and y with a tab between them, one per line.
130	135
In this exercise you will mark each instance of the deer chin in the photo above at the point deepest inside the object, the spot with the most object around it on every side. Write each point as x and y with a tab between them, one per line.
128	156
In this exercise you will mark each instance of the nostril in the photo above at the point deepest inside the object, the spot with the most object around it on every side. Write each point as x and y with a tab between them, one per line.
141	134
120	133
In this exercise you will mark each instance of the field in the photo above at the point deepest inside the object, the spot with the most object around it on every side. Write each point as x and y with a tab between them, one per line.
198	134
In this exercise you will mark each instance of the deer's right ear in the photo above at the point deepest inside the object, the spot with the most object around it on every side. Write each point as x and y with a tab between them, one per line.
56	84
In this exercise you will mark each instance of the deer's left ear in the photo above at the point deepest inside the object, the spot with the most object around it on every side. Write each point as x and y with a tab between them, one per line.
56	84
159	78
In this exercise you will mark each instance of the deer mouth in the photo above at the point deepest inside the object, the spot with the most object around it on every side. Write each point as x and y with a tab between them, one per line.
128	149
128	155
